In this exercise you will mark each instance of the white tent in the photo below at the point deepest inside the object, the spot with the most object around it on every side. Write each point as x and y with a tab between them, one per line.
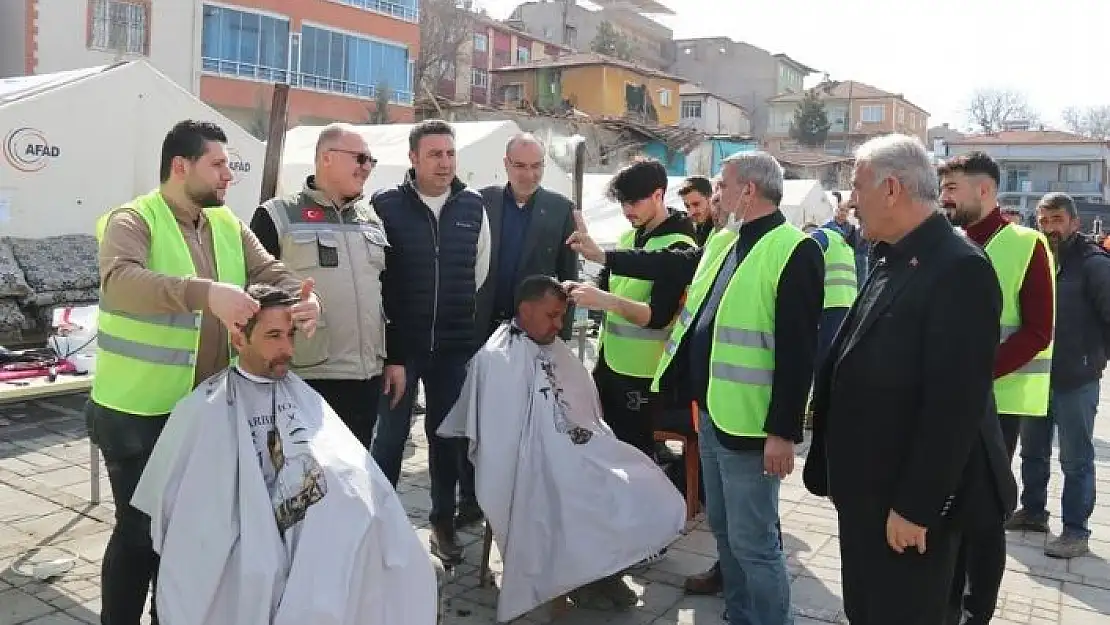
78	143
480	148
804	202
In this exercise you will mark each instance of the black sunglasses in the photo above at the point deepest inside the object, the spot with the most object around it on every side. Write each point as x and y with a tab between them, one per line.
360	157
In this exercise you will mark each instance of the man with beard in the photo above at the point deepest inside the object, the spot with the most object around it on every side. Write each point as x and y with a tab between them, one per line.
437	259
1019	255
906	441
529	224
328	231
260	497
697	193
1078	360
173	266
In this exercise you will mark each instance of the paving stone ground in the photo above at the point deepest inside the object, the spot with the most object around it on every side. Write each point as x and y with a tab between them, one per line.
44	505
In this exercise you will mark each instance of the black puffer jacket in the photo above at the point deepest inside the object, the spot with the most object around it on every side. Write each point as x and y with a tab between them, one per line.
1082	313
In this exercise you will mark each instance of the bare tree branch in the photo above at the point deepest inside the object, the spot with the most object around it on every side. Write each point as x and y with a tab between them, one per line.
1092	121
445	27
990	109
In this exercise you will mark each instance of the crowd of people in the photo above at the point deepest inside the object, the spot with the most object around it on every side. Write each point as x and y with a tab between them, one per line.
921	332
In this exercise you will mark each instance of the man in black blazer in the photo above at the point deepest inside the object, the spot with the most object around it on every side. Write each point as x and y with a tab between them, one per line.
906	440
528	229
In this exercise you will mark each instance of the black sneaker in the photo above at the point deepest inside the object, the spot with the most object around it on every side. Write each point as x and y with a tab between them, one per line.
445	545
1026	521
469	514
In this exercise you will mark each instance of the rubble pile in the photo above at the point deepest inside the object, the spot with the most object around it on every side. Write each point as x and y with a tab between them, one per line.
38	275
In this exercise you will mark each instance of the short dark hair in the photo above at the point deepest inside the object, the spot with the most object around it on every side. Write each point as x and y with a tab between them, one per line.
701	184
189	140
536	287
426	128
1059	201
638	181
972	163
267	297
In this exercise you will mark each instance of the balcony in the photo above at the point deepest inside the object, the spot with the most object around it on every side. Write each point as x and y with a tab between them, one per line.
1049	186
405	12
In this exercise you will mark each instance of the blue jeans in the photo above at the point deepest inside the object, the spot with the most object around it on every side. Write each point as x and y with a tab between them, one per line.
1072	412
443	374
742	505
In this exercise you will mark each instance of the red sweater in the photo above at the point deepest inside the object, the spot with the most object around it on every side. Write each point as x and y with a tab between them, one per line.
1034	300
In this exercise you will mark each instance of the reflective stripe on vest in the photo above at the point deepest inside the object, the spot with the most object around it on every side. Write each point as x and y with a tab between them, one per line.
1025	391
840	271
630	349
742	357
145	364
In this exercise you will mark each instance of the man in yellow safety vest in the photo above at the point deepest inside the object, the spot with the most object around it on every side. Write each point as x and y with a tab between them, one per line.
173	266
638	312
1021	259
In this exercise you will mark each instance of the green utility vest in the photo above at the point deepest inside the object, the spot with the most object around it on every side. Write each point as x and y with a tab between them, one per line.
1025	391
630	349
840	271
742	357
145	363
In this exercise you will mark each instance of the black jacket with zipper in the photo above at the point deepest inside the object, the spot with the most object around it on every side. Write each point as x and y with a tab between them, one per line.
1079	352
428	286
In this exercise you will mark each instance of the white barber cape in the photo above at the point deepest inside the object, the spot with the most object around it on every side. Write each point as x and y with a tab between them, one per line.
568	503
266	510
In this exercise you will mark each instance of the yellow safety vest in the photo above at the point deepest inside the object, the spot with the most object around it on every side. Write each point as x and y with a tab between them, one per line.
1025	391
840	271
145	364
630	349
742	356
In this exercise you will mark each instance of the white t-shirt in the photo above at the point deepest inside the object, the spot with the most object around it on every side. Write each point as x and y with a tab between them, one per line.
481	262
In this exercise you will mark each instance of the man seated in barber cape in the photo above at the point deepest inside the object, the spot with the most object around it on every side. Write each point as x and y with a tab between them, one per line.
571	506
266	509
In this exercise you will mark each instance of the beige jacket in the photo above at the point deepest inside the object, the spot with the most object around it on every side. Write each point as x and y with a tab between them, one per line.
343	250
126	285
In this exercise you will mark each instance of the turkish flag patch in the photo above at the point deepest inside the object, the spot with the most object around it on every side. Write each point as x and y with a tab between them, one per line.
312	214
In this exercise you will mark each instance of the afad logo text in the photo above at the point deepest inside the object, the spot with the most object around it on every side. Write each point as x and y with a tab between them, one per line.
26	149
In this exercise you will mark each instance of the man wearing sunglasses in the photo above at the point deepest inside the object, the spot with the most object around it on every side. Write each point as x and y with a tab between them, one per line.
328	231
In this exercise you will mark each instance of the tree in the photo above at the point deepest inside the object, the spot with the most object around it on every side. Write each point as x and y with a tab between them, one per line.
811	124
445	27
380	113
989	110
611	42
1092	121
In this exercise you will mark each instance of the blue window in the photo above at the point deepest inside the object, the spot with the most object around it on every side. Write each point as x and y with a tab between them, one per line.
245	44
408	10
352	65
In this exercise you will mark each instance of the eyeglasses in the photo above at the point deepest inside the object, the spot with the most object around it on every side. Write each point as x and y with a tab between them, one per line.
362	158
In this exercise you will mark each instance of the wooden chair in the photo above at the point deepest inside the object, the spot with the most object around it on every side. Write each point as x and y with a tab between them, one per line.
691	453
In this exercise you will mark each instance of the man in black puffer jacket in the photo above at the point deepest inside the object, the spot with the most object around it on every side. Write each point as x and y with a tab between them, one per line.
438	256
1078	360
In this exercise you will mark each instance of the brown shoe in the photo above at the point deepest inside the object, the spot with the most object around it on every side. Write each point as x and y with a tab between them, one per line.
707	583
445	545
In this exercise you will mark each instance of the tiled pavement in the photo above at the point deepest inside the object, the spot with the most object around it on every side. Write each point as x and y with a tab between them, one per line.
44	503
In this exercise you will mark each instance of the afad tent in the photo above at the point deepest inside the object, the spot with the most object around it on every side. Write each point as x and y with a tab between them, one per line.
804	202
480	149
79	143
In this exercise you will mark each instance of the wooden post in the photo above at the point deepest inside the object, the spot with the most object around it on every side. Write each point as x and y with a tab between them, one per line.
275	141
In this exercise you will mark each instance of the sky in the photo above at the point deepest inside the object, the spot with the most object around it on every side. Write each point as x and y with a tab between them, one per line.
936	53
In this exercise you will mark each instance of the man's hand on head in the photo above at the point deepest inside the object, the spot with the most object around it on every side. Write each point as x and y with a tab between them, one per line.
231	305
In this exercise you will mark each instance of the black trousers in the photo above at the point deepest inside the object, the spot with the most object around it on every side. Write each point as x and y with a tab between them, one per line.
981	561
883	587
628	406
356	403
130	567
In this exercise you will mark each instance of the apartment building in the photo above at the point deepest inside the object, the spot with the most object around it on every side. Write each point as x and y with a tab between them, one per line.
1035	162
334	53
576	26
856	112
741	72
493	45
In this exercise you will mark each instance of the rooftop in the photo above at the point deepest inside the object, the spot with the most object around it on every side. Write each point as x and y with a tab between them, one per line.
587	59
692	89
844	90
1025	137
